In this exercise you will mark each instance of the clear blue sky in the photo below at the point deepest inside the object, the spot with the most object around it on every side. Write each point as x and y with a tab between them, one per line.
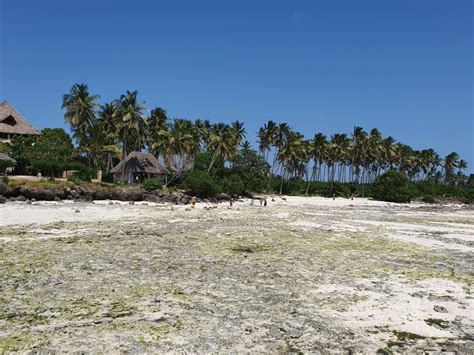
405	67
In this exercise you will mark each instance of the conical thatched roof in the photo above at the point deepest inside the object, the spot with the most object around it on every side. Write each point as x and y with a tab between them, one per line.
138	162
4	156
12	122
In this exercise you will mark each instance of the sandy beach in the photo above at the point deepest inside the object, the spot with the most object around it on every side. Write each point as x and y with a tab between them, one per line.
302	274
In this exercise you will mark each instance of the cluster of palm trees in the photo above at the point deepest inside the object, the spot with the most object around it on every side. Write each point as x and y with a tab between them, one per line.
104	133
357	158
108	132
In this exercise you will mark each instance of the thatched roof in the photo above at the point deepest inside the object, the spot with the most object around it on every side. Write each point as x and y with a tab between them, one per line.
12	122
138	162
4	156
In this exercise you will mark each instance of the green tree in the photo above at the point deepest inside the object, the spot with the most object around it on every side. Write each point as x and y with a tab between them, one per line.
80	109
131	122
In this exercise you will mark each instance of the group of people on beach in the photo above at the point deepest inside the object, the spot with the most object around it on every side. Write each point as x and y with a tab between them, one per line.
262	200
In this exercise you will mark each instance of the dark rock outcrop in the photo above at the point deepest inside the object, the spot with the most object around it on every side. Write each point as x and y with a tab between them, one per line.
81	193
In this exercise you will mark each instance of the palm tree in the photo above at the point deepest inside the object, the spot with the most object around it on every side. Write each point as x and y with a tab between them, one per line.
319	152
245	145
239	131
358	152
97	144
107	117
263	143
157	126
461	178
451	162
336	153
131	121
222	143
80	110
292	156
179	146
267	136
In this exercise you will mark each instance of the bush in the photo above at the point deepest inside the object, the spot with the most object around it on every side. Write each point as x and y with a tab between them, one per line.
107	177
233	185
152	184
72	166
393	187
428	199
46	167
254	182
200	184
4	164
85	173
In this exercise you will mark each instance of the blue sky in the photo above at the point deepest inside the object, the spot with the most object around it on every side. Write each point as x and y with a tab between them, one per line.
405	67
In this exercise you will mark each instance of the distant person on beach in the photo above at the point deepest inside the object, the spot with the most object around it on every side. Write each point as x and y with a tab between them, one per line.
193	201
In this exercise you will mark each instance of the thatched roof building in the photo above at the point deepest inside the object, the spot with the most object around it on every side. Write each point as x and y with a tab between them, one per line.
5	157
138	166
11	122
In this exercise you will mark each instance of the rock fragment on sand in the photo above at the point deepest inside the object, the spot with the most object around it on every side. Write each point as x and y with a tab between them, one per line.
440	309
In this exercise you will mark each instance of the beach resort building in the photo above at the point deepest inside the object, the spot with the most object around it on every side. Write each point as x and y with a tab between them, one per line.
136	167
13	123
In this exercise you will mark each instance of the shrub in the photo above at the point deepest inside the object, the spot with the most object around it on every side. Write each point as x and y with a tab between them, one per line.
428	199
107	177
46	167
72	166
254	182
4	164
5	180
393	187
85	173
199	183
152	184
233	185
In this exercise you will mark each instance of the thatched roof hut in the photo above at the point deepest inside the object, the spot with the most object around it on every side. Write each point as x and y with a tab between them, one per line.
5	157
138	165
12	122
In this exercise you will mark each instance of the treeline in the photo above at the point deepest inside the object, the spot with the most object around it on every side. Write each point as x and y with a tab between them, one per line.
102	131
218	156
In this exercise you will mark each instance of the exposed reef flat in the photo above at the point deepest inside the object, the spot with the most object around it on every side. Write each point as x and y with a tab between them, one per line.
302	274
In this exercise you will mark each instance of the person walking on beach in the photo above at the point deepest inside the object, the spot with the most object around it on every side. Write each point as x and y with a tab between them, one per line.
193	201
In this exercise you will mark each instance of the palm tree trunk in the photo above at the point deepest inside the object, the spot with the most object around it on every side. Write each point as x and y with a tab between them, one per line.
310	179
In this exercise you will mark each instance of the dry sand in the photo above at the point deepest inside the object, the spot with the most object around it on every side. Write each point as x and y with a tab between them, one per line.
302	274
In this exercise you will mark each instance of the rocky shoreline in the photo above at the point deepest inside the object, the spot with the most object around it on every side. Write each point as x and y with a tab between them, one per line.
84	194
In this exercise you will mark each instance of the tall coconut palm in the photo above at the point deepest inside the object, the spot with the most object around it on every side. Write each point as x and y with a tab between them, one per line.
263	142
292	156
107	117
319	152
336	153
222	143
97	145
157	125
358	152
238	131
451	162
80	109
180	146
131	121
267	136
